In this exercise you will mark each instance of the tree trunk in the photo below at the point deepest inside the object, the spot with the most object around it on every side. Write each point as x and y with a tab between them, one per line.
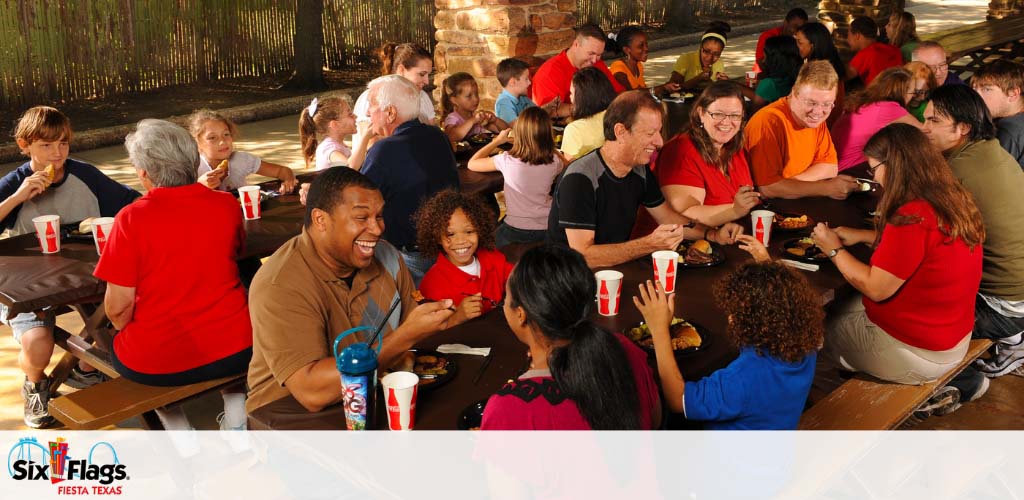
678	16
309	47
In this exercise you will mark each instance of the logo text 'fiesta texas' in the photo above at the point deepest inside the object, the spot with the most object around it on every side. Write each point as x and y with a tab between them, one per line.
56	466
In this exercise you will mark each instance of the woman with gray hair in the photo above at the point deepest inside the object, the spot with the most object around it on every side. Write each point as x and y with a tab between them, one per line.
173	289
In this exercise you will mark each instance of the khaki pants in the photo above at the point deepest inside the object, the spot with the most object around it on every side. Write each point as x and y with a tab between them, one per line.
854	343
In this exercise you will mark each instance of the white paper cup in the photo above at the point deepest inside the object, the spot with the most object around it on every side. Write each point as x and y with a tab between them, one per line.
665	269
609	288
400	399
751	78
250	197
761	225
101	227
48	232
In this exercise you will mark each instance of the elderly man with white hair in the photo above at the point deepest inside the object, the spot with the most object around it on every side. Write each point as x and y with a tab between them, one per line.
410	163
935	57
172	282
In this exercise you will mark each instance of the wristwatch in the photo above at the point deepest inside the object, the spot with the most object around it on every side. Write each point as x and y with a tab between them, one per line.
835	251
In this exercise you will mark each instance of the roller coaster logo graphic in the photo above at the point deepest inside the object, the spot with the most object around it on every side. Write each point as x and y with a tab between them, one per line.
29	460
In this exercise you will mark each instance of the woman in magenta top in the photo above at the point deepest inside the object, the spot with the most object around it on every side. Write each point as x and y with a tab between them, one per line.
580	376
703	172
882	103
915	319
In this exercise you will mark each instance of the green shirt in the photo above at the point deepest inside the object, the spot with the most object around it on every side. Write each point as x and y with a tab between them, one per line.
997	182
773	89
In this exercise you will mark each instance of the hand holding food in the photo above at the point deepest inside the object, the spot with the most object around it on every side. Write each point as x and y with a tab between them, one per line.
428	318
211	179
825	238
471	307
840	187
745	199
672	87
754	247
288	180
726	235
503	137
222	167
50	172
666	236
32	186
721	76
656	306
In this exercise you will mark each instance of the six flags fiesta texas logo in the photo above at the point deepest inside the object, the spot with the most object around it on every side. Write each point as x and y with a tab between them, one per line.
57	466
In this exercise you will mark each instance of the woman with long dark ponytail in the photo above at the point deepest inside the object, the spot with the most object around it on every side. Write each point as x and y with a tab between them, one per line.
580	377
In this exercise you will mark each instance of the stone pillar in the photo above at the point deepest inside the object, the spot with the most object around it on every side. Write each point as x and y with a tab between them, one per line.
474	35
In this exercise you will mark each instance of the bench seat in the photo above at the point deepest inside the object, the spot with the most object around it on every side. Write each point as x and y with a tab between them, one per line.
867	403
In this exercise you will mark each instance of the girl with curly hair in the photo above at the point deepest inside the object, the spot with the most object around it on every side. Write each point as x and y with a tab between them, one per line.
776	322
459	228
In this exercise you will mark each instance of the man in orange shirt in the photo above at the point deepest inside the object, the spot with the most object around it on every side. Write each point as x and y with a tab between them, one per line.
791	151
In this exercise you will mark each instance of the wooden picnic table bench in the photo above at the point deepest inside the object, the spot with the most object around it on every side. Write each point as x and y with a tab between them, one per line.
981	42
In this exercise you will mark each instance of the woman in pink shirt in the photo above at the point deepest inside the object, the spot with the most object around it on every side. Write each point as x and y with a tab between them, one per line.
883	102
530	169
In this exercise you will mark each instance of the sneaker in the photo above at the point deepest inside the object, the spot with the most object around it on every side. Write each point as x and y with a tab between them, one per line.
79	379
37	397
1004	359
236	437
971	383
943	402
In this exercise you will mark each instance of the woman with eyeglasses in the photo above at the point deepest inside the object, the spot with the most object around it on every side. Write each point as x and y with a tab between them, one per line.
697	69
703	172
884	101
913	322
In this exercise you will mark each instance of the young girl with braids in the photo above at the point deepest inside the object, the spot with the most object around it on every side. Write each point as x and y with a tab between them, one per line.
323	126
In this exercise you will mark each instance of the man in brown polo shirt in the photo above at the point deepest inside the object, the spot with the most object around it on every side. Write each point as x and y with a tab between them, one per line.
338	274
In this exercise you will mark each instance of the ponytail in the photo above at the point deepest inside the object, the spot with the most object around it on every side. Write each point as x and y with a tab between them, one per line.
594	372
313	122
393	55
307	137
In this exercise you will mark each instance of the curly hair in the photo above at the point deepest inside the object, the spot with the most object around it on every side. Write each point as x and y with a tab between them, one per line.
772	309
434	215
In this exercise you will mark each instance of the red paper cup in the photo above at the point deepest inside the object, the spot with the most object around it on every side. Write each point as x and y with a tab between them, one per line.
400	399
48	232
665	262
751	79
609	288
250	197
101	227
761	225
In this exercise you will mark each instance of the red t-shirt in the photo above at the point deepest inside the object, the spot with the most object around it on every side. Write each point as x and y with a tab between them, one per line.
874	59
934	309
535	402
445	280
679	163
759	51
554	78
178	248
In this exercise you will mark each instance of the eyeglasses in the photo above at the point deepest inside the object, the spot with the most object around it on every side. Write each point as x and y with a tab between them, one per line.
718	117
874	168
825	106
918	93
939	67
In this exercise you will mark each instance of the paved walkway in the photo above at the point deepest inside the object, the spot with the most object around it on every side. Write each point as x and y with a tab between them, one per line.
277	141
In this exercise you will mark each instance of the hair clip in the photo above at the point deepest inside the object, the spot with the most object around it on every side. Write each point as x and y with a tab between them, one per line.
613	37
312	107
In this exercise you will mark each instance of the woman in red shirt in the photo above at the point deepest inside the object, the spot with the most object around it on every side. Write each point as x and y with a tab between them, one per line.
703	172
915	320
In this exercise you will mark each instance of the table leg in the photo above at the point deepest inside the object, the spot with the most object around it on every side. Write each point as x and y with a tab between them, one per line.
61	371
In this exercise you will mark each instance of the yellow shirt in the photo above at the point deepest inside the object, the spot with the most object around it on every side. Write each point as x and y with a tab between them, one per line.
688	65
583	136
635	81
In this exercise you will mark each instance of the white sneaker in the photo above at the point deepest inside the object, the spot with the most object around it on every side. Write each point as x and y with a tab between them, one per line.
236	437
186	443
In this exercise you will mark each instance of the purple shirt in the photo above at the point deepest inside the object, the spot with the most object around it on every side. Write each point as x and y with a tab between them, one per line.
527	191
852	131
454	119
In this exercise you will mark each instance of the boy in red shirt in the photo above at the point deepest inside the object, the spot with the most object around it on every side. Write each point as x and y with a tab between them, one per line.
872	56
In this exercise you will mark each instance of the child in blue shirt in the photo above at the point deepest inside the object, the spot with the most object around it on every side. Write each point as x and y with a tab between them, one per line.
514	77
777	323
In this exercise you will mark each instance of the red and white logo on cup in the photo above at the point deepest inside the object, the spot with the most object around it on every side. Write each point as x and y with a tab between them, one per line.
665	269
48	232
250	197
609	288
101	227
751	79
761	225
400	390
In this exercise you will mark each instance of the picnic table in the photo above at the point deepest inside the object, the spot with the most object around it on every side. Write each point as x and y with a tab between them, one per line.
440	408
981	42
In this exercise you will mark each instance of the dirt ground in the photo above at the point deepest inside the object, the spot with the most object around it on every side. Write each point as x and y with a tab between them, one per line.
183	99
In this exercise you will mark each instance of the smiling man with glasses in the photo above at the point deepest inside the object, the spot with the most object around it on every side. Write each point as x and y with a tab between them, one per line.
791	151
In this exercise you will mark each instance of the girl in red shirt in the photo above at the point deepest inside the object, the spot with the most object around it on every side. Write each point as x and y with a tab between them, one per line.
469	270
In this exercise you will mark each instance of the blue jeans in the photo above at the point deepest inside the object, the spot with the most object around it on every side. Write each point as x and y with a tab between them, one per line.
989	324
507	235
418	265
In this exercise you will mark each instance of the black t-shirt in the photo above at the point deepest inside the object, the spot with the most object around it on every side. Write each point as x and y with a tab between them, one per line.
589	196
1011	136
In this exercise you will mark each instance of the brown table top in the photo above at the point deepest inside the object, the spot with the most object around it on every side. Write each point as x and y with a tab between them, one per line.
439	409
960	41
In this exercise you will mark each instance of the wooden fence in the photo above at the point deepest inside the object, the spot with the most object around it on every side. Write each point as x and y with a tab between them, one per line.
53	51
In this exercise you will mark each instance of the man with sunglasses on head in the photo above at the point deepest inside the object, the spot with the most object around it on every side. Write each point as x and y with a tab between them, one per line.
791	150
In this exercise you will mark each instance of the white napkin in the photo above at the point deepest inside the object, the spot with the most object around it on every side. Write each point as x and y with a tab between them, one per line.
800	265
463	349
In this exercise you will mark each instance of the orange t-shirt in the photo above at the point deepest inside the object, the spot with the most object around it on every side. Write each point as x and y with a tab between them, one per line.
779	150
